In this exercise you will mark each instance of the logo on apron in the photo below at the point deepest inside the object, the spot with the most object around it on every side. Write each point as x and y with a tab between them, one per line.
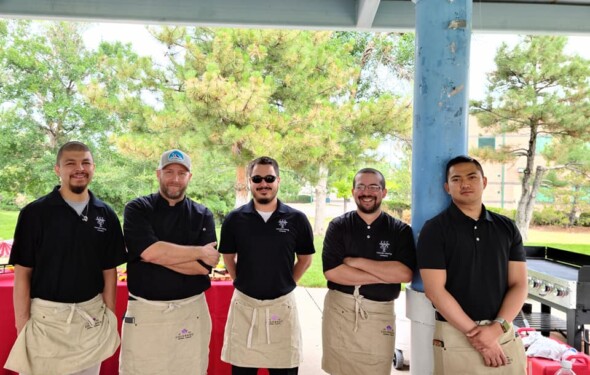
95	323
275	320
388	331
184	334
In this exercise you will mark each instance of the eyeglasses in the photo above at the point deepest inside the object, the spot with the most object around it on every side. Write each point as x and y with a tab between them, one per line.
373	188
269	179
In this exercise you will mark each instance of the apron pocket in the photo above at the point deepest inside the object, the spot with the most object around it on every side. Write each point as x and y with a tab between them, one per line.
280	324
375	335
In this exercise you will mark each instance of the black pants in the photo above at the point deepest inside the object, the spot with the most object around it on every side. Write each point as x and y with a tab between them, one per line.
235	370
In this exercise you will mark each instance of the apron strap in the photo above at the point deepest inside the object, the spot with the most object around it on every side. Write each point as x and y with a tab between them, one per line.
267	326
251	330
169	305
74	308
359	310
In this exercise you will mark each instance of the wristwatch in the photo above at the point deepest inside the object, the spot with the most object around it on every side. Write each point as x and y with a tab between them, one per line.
503	323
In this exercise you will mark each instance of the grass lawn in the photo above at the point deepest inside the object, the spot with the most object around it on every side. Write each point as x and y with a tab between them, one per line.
7	224
577	240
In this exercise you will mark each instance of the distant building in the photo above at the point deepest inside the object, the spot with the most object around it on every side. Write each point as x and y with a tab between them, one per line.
504	180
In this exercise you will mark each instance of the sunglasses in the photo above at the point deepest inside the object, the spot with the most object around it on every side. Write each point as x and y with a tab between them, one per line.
269	179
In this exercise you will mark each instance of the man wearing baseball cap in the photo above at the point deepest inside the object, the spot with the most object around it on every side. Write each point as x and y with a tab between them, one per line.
171	244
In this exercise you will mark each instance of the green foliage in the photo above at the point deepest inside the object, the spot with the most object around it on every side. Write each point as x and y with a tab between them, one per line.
503	211
396	207
549	215
539	90
53	90
291	185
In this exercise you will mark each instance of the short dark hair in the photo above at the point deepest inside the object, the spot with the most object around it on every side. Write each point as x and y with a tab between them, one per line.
263	160
71	146
462	159
372	171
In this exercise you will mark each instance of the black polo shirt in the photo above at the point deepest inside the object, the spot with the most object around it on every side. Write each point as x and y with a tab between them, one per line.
475	254
266	250
386	239
150	219
66	253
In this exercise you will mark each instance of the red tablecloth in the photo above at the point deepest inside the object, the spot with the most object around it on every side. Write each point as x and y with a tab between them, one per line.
218	298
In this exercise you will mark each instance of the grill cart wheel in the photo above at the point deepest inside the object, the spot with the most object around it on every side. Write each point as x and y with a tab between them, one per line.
398	359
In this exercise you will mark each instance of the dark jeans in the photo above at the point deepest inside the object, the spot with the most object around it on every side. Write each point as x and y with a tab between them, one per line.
235	370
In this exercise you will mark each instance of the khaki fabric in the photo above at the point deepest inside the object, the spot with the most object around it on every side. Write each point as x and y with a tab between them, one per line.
166	337
262	334
358	335
457	356
62	338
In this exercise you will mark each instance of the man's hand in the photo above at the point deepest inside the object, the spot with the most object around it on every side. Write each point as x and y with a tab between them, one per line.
485	340
209	254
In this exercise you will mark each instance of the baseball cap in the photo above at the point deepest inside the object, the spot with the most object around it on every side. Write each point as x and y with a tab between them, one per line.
175	157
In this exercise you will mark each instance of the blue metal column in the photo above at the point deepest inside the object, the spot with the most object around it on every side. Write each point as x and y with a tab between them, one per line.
443	34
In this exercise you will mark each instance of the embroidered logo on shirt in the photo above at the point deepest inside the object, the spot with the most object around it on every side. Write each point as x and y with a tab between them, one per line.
388	331
384	245
184	334
275	320
100	221
282	225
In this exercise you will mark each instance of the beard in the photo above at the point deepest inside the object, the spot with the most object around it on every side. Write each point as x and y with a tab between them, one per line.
367	210
78	189
264	199
168	193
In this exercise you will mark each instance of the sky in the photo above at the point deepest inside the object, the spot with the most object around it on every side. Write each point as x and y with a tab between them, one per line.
483	48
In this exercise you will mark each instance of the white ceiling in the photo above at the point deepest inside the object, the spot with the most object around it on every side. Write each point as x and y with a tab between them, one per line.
570	17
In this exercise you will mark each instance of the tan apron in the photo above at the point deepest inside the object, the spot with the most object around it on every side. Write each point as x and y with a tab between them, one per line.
262	333
165	337
453	354
64	338
358	335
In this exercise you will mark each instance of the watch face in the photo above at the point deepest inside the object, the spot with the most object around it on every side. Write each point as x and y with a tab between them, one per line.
504	324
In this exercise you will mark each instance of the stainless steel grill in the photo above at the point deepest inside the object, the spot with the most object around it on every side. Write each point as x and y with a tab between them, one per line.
559	279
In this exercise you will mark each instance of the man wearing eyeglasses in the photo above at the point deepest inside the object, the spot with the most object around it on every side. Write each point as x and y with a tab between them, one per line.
171	243
266	247
367	254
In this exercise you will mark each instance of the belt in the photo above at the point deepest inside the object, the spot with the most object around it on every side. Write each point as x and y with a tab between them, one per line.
438	316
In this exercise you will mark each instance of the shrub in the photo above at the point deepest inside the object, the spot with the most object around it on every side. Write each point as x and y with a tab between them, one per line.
584	219
549	216
396	208
511	213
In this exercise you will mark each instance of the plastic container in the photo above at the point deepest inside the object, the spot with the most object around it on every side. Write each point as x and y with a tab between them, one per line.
566	369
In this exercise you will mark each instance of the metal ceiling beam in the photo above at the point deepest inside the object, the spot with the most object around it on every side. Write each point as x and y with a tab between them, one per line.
367	10
391	15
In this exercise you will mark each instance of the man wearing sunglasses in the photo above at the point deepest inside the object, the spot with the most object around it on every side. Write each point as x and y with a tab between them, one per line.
367	254
266	247
171	243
